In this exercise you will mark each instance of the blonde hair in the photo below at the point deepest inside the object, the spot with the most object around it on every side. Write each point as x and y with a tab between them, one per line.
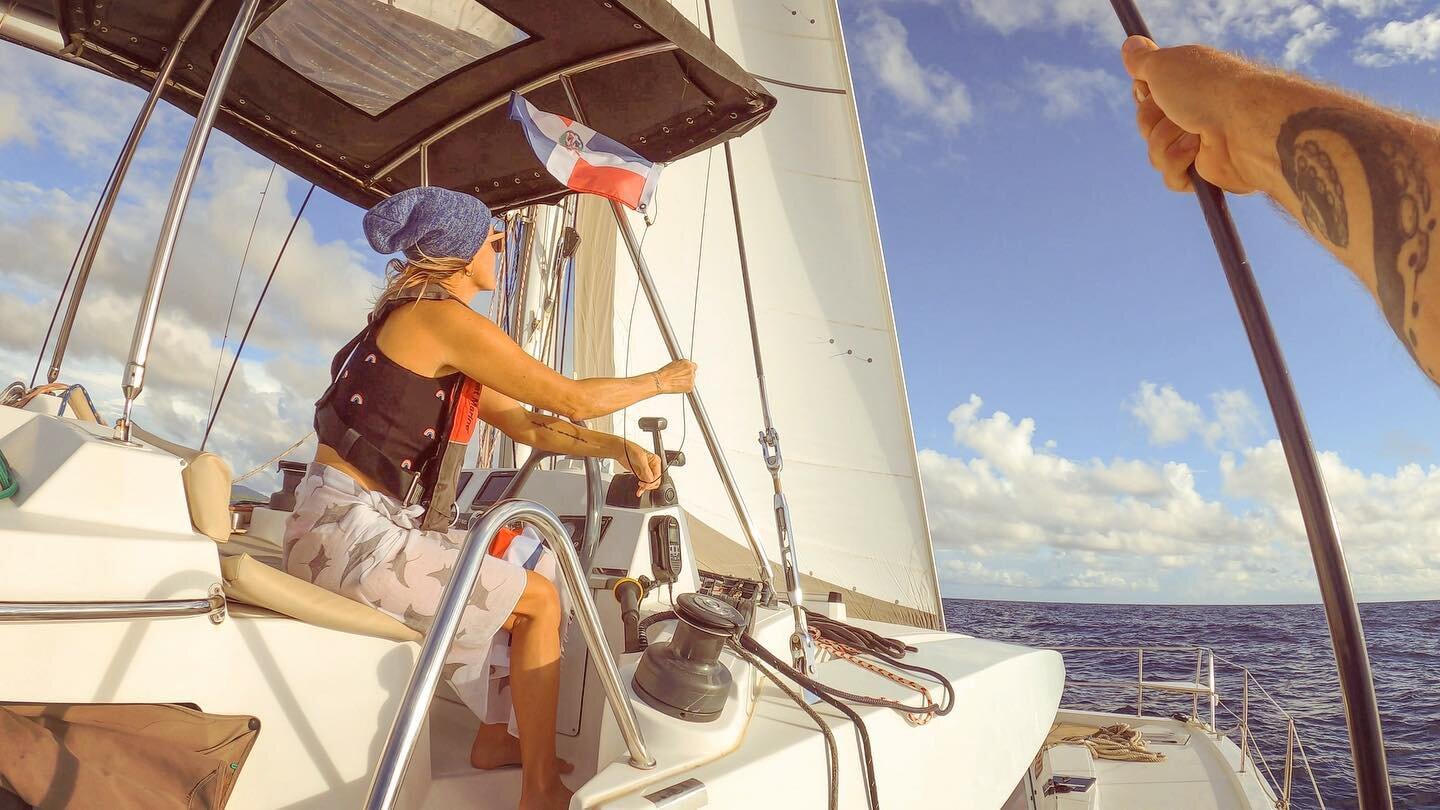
407	272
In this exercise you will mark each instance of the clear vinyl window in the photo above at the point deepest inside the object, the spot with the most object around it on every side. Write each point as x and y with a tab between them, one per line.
374	54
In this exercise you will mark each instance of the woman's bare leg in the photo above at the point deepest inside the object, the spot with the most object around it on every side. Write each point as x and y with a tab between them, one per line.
535	692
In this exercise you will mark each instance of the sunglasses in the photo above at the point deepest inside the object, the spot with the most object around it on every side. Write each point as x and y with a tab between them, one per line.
497	229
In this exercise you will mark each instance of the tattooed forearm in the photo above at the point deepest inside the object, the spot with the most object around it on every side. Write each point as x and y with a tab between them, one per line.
558	428
1401	216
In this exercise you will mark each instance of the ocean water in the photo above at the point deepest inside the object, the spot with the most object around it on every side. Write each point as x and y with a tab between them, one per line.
1287	649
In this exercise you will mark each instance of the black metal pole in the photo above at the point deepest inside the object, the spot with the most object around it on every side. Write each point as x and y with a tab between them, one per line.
1362	715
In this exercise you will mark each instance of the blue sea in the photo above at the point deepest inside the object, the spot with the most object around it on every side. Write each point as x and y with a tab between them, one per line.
1287	649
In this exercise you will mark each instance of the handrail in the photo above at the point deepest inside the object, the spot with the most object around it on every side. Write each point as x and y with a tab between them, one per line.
91	611
1280	786
405	731
594	497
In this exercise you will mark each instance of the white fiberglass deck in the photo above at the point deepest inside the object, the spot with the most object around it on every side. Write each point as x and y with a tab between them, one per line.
1198	772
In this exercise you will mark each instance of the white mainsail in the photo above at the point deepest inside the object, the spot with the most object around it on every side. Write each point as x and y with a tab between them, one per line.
826	329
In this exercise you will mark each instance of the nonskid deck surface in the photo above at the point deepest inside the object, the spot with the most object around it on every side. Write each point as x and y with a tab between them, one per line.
454	782
1199	773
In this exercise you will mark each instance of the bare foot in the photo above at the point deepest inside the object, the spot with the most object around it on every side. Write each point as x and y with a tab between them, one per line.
495	748
556	797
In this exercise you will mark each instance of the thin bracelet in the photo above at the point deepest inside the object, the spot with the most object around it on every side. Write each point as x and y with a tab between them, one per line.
656	376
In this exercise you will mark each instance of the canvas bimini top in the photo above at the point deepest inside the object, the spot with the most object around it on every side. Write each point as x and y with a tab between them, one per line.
345	92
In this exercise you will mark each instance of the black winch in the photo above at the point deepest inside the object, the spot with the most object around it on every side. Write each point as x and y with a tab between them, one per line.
683	677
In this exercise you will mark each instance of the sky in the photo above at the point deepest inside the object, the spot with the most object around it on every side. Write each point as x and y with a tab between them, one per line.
1091	424
1089	420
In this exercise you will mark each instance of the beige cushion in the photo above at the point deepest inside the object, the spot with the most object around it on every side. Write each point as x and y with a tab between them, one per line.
207	485
253	582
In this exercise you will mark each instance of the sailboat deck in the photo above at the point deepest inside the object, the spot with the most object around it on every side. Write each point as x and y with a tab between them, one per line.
1198	772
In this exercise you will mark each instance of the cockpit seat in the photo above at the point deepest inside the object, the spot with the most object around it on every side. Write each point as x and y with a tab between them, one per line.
207	485
253	582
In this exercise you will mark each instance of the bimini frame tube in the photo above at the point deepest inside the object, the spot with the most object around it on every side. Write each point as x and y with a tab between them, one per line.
112	191
1362	713
134	380
697	405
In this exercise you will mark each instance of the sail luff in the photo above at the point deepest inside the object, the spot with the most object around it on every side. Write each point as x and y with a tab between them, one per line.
883	273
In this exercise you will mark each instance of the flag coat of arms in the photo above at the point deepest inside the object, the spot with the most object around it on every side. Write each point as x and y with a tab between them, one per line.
584	159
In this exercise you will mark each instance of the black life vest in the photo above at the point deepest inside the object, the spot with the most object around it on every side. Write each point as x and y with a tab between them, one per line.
404	431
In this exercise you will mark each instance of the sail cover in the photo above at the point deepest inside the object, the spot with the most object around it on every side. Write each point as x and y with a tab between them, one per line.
343	92
826	330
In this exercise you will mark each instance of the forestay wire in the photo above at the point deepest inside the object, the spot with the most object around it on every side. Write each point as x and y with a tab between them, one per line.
240	347
235	293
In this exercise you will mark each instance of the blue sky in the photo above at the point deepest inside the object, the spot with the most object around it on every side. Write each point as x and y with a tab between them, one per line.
1037	262
1090	421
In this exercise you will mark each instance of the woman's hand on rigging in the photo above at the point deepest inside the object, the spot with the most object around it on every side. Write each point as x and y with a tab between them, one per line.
644	464
675	377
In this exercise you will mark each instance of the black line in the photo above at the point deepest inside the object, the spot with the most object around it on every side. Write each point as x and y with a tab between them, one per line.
799	86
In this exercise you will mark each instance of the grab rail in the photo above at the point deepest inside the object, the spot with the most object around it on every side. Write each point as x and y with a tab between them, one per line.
400	743
1205	660
91	611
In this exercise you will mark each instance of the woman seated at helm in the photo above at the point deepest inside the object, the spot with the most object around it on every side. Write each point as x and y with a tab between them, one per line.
382	420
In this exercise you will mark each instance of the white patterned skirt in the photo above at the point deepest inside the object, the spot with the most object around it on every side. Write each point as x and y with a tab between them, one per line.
369	547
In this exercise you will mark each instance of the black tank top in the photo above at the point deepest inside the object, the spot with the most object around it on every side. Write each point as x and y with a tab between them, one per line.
381	414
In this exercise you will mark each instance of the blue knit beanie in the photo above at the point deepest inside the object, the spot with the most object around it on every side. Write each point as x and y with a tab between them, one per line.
429	221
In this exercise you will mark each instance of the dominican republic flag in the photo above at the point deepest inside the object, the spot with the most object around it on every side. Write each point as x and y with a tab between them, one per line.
585	160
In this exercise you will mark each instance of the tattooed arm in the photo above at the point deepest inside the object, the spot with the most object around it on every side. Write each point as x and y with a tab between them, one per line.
1358	177
559	436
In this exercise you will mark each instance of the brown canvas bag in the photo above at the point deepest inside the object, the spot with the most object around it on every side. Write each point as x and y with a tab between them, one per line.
120	756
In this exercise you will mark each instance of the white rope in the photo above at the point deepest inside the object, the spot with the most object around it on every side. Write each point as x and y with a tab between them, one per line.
261	466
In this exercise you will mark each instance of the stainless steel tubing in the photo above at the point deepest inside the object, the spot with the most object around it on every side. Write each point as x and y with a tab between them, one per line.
697	405
134	380
594	498
1244	716
112	191
1140	682
400	744
89	611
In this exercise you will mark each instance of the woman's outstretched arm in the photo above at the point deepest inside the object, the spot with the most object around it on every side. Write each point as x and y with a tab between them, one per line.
559	436
474	345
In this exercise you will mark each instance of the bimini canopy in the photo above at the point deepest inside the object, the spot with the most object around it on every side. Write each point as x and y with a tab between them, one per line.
346	92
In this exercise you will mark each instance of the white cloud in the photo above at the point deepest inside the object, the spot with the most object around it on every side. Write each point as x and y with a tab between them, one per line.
1301	47
921	91
1169	418
1367	8
1010	518
1010	495
319	297
1291	31
1415	40
73	109
1070	91
14	121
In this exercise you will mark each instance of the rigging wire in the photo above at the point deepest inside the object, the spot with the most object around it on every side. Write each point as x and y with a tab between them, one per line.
240	347
234	294
74	263
695	303
266	463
